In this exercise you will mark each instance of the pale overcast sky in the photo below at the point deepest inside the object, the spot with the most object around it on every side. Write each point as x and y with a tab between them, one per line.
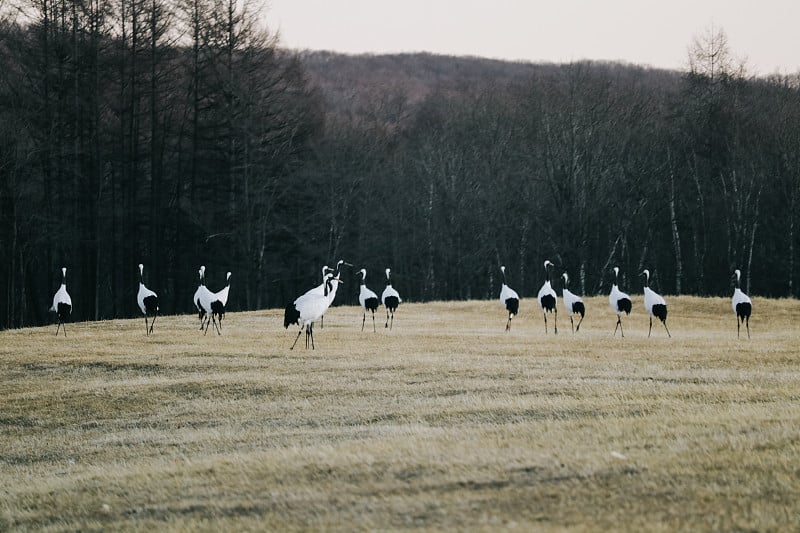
646	32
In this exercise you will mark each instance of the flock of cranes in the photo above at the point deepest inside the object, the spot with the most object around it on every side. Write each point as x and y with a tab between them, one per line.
311	306
620	302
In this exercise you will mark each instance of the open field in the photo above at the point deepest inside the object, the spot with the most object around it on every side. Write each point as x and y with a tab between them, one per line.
445	422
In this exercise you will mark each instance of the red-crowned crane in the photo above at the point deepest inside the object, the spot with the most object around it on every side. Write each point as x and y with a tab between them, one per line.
307	309
62	303
390	299
573	304
335	281
742	306
509	298
548	299
654	304
148	302
201	295
619	302
368	300
217	303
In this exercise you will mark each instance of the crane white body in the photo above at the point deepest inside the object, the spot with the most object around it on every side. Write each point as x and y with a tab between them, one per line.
509	299
62	303
148	302
390	299
741	304
573	304
619	302
202	298
654	304
548	299
216	305
319	289
307	309
368	300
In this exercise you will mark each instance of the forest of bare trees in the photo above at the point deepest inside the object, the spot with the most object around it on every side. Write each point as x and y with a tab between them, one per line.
178	133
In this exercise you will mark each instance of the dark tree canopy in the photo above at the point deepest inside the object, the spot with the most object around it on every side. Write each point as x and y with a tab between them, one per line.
177	134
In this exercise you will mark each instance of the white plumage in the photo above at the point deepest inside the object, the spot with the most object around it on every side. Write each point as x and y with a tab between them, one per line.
742	306
148	302
319	289
304	311
390	299
216	305
202	297
509	298
368	300
619	302
654	304
62	303
572	304
548	299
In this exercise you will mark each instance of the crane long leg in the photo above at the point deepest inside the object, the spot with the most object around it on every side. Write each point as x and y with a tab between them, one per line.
387	319
619	325
218	325
747	324
63	327
579	325
738	327
572	323
666	328
146	330
555	322
508	324
373	322
57	327
364	319
392	322
310	331
298	336
544	314
651	327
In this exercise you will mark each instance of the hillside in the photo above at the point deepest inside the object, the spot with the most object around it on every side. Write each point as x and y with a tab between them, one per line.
354	83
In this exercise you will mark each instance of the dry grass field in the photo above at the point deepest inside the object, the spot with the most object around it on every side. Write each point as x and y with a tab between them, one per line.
444	422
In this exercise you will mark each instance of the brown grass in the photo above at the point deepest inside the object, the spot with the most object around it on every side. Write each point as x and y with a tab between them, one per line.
445	422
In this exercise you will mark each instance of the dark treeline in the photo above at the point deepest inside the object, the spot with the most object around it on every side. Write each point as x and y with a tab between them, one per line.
178	134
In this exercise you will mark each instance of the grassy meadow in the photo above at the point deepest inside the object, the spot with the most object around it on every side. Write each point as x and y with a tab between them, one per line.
444	422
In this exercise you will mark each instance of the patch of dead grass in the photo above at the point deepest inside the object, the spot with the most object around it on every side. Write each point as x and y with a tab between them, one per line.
444	422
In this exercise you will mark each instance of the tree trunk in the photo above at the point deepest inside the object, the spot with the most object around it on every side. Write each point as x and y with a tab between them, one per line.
676	238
